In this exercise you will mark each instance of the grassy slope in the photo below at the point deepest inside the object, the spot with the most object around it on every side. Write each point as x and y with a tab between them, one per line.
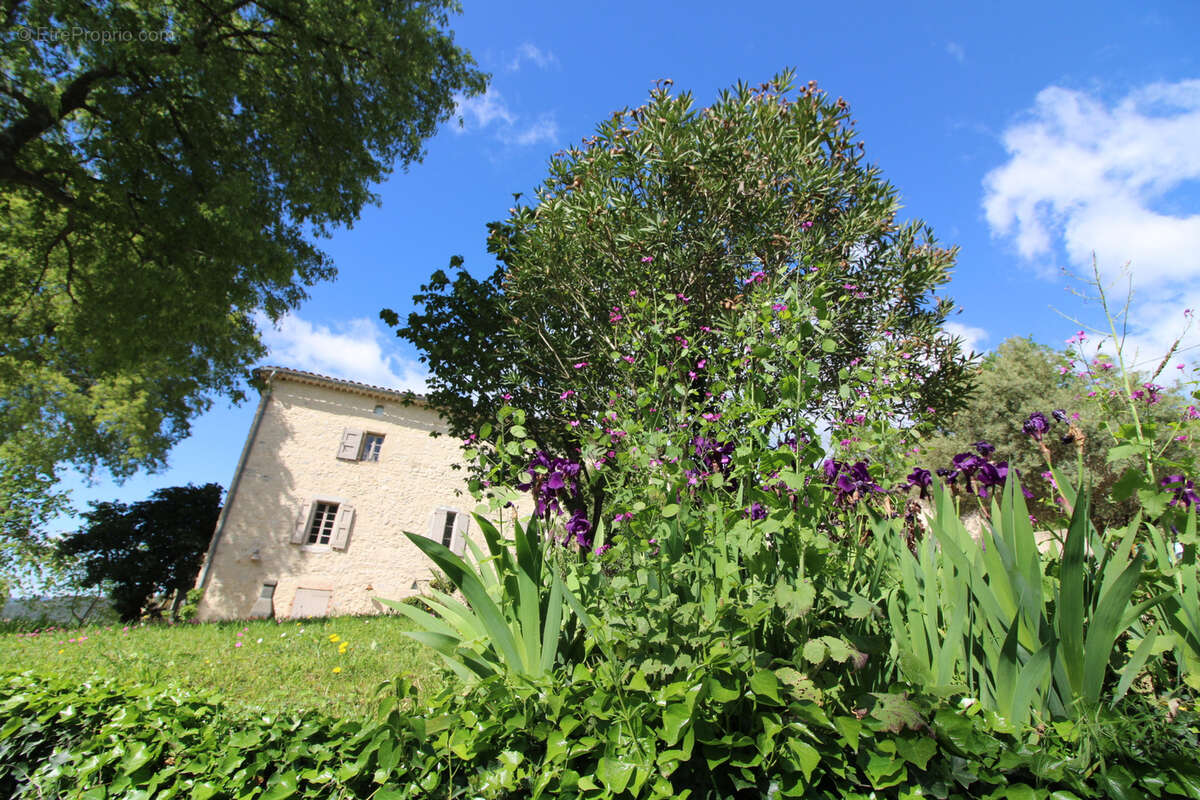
279	665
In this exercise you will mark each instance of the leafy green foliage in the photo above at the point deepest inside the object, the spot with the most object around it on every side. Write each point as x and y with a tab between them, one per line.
727	729
1027	644
668	201
152	547
513	616
157	191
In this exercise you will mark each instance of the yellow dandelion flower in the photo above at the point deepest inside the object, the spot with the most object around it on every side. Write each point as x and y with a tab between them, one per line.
333	637
342	647
336	670
60	652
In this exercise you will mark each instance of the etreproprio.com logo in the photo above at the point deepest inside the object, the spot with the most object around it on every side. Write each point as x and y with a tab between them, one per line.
76	33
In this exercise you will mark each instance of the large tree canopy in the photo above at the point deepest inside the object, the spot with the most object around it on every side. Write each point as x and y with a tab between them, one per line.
162	166
695	203
153	547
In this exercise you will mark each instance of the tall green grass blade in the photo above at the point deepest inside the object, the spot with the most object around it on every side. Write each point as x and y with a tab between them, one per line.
552	627
462	576
1135	664
1104	628
422	618
465	664
529	618
1065	488
1070	611
585	618
1031	685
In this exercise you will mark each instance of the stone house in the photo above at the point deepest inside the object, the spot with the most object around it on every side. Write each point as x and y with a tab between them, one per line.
332	474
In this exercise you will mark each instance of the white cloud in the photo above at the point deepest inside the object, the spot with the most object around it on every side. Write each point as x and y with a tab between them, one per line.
355	350
482	110
973	338
543	129
1087	177
542	59
957	52
490	111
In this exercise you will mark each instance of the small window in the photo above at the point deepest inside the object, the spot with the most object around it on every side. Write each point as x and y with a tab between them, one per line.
448	529
321	529
379	411
323	523
372	444
357	445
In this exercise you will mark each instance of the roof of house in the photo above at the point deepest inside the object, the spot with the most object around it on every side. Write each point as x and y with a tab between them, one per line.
268	373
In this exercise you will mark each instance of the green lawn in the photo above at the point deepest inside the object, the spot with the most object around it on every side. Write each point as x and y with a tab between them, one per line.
259	665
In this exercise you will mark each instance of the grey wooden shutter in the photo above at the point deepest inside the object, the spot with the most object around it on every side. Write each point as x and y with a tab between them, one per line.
437	521
300	530
458	542
351	440
341	527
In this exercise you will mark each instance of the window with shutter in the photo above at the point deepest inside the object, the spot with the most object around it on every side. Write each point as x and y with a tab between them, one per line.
320	530
448	518
372	445
341	527
459	543
300	529
351	442
449	527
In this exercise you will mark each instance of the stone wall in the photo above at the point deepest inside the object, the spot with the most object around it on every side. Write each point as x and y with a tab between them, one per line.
292	462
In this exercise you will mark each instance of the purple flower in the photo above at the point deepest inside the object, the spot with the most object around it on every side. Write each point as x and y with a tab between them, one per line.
922	479
991	476
1036	426
1184	489
756	511
948	475
553	480
579	526
850	482
984	449
968	462
1059	414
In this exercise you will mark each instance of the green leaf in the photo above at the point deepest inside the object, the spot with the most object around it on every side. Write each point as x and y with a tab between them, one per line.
1127	450
676	716
764	684
815	651
517	432
807	756
1153	501
136	758
281	785
916	751
614	774
828	345
1129	482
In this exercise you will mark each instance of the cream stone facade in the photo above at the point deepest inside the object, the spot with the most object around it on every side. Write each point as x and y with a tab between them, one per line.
332	475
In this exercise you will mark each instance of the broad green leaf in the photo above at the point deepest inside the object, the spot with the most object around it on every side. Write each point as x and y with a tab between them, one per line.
764	684
614	774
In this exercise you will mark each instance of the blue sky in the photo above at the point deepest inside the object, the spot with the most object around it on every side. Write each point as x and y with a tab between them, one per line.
1029	134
